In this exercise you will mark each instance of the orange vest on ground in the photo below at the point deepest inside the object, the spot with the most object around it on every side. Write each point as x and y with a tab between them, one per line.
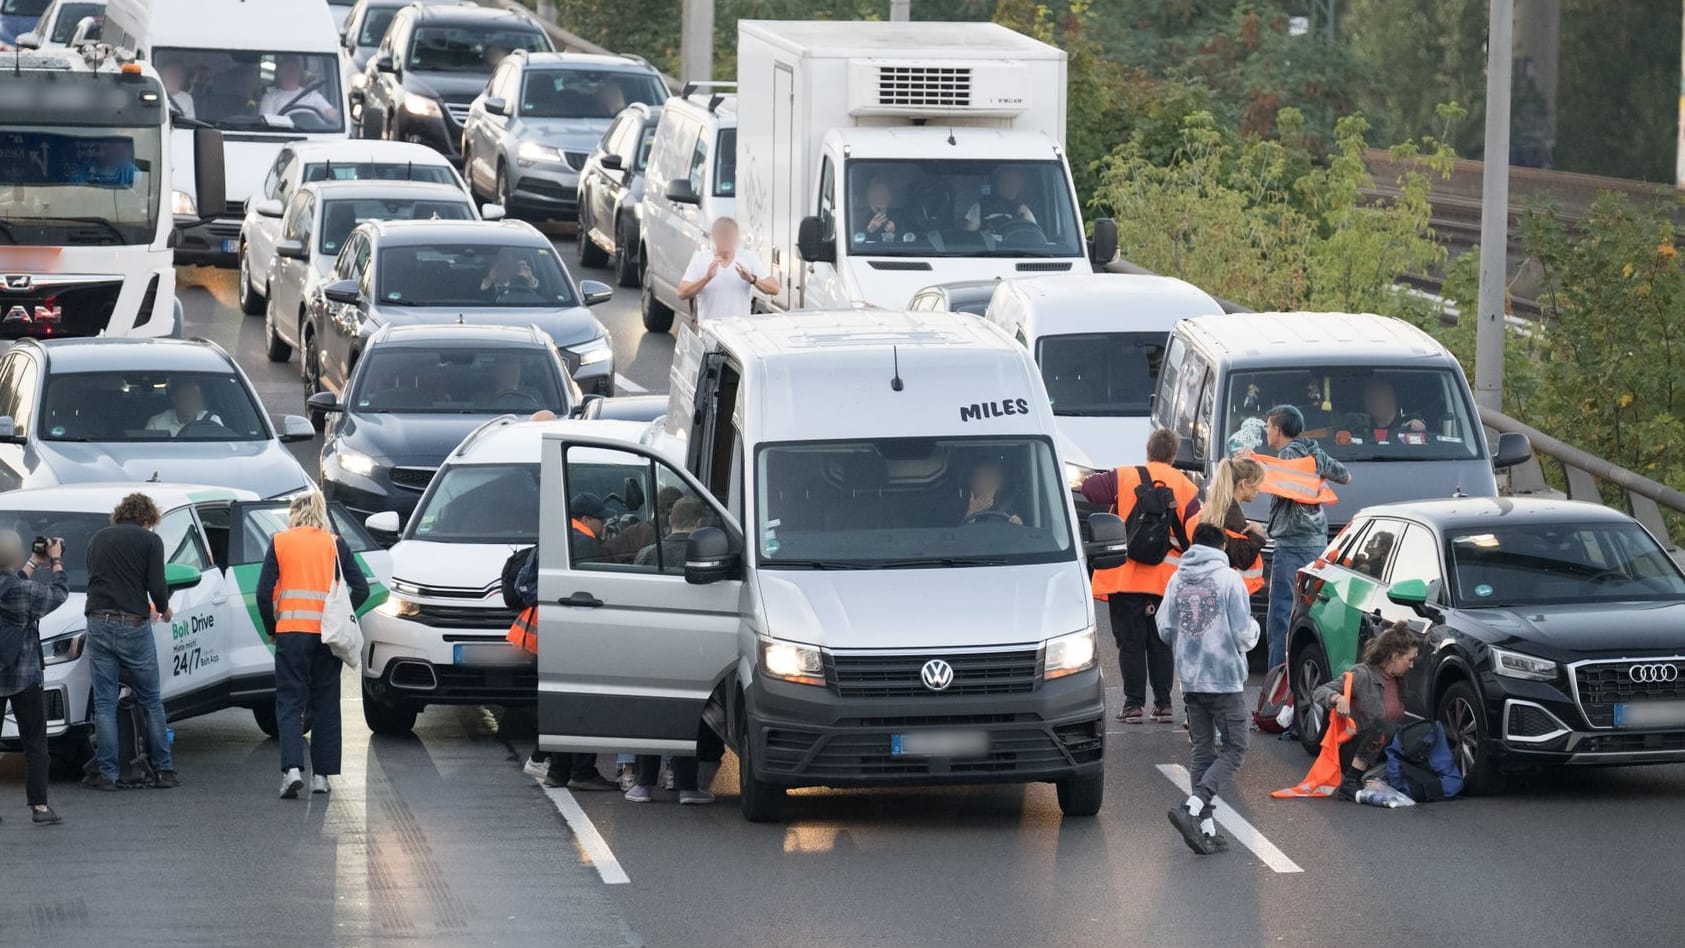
524	632
1133	577
1295	479
1324	776
305	556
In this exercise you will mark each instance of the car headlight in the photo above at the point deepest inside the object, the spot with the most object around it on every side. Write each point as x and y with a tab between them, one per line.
787	661
600	349
1075	474
1516	665
1068	654
417	104
355	462
533	153
182	204
399	607
64	648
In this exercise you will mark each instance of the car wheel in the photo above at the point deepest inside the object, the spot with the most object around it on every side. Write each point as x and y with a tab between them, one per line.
658	316
760	801
252	303
590	255
1464	720
387	718
504	197
1082	796
625	261
278	350
312	365
264	715
1310	671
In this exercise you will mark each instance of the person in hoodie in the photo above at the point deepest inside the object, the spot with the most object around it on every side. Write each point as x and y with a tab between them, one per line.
1206	620
1299	531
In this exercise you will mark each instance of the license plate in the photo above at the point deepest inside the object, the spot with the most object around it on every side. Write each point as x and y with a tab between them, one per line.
231	246
1651	714
502	653
939	744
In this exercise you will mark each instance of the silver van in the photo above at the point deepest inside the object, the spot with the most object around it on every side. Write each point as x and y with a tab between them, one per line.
691	182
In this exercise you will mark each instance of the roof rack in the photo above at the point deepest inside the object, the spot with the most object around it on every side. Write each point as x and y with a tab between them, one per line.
501	421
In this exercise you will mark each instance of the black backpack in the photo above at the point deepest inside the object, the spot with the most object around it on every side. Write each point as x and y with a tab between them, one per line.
515	595
1152	522
134	757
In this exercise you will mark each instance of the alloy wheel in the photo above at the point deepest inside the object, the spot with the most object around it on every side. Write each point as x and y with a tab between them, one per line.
1464	732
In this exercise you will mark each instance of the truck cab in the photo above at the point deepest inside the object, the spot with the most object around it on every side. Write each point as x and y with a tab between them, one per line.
870	572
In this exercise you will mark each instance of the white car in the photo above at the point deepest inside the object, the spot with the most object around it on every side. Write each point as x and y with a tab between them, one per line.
318	218
58	23
300	163
690	182
214	654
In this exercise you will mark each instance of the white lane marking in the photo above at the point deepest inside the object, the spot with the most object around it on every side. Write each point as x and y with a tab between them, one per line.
1239	830
627	385
591	843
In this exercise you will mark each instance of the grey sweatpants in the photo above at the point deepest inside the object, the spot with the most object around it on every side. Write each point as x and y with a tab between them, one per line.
1213	768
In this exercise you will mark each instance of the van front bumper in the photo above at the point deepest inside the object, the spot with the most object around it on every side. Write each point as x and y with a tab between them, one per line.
805	735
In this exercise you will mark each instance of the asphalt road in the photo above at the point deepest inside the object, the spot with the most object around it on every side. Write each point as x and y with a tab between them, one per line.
441	840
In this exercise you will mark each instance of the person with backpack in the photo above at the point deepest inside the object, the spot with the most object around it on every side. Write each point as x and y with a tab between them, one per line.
1297	525
1376	705
1206	619
23	601
1156	502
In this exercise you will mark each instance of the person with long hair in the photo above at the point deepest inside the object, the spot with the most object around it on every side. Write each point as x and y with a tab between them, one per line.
1237	481
1377	702
303	563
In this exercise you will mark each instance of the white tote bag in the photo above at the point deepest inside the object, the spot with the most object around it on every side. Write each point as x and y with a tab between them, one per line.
340	632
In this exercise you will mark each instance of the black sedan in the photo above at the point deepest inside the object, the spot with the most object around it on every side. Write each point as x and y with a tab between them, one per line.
611	193
1554	631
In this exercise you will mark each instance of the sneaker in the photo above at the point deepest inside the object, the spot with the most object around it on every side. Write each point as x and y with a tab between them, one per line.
102	784
535	768
46	815
1162	714
554	780
695	798
593	781
291	783
1131	714
1348	788
628	776
319	784
167	780
638	794
1188	825
668	781
1219	842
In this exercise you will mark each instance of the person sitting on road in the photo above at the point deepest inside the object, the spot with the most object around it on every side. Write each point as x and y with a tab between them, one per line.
187	406
509	273
1376	706
985	499
290	94
682	521
1002	203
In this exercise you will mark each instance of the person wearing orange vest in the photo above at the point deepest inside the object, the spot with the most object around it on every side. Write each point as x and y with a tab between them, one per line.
1237	481
292	590
1134	590
1299	530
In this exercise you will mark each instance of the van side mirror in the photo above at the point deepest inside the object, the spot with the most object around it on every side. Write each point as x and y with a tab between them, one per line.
811	242
679	191
210	186
180	576
30	40
343	291
384	63
709	557
1187	459
9	433
291	250
611	161
1108	544
1102	247
497	105
269	207
1513	449
1415	594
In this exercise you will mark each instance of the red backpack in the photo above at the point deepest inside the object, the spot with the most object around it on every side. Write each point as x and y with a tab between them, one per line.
1273	698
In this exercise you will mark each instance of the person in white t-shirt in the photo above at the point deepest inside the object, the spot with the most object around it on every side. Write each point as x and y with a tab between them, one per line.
720	280
187	405
289	93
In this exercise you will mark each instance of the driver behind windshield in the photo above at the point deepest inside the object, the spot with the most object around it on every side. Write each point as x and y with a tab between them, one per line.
505	383
508	272
289	92
985	494
187	405
880	216
1381	418
1002	203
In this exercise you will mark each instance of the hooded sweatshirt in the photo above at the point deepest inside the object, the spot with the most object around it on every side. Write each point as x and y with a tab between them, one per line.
1296	526
1207	621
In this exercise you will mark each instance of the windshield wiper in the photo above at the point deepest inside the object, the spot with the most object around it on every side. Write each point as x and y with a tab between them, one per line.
109	227
821	564
941	561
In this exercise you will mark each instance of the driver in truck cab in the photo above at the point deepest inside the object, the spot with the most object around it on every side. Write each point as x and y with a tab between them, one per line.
1004	200
187	405
289	92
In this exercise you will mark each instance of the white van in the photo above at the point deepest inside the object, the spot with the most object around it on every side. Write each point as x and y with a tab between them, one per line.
691	182
264	72
1099	341
828	594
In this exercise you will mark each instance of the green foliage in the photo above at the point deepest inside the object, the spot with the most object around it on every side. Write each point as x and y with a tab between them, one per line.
1618	99
1428	51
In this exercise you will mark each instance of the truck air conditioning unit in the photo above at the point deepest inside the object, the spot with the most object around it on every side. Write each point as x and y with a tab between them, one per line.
935	88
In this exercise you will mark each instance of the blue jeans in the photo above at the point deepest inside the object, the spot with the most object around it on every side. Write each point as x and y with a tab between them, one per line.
1285	564
114	644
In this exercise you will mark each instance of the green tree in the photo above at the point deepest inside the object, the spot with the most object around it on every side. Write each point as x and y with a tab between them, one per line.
1619	88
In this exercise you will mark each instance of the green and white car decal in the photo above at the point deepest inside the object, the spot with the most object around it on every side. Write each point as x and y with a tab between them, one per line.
245	579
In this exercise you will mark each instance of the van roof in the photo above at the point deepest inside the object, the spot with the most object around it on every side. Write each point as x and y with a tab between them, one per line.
282	26
815	336
1110	302
920	39
1319	338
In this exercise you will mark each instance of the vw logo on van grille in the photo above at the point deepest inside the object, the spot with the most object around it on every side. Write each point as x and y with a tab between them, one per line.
1644	674
937	674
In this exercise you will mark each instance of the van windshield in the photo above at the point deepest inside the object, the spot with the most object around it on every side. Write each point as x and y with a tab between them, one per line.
247	90
1109	374
1358	413
480	503
910	503
947	208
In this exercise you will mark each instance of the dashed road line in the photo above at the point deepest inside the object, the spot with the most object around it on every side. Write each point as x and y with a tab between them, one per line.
628	386
1239	830
591	843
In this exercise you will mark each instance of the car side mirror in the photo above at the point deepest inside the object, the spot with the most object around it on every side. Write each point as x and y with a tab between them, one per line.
811	242
1102	247
384	63
210	184
709	557
493	212
1108	544
583	409
497	105
324	401
180	576
679	191
291	249
343	291
9	433
595	292
386	523
1513	449
1187	459
613	162
296	428
29	40
269	208
1415	594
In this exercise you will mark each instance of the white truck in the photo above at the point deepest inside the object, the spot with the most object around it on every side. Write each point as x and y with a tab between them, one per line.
878	158
86	233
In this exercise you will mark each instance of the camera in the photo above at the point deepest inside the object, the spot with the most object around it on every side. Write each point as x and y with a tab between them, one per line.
39	547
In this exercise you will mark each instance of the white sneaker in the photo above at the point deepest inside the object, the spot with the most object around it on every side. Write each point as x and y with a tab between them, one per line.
319	784
628	776
695	798
535	768
291	783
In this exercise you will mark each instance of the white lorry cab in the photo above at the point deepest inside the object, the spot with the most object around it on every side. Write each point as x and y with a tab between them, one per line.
877	158
86	232
870	572
263	72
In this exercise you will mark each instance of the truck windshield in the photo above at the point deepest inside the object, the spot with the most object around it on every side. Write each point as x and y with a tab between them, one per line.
1108	374
910	503
457	381
940	208
480	503
244	90
18	17
1357	413
80	185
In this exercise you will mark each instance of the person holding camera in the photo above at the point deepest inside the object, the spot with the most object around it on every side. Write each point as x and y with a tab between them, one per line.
23	601
125	591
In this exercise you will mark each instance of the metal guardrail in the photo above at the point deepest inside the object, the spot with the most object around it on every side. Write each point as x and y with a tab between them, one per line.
565	40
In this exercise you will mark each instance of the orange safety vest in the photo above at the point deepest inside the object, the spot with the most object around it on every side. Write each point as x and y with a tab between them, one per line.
524	632
581	526
1324	776
1252	575
1295	479
305	556
1133	577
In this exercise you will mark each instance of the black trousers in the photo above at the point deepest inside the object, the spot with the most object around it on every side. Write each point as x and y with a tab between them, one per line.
571	766
684	771
307	676
31	712
1142	655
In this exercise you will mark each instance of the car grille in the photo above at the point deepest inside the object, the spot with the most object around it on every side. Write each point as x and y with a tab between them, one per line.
866	754
458	111
1631	743
464	617
868	675
516	683
412	478
575	159
1602	685
1528	721
235	209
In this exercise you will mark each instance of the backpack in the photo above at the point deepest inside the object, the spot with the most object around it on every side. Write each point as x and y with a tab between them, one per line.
1275	702
1152	521
134	758
1420	763
520	585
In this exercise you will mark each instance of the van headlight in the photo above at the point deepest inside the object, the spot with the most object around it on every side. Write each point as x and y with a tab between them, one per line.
1517	665
1075	474
1068	654
64	648
787	661
183	205
600	349
399	607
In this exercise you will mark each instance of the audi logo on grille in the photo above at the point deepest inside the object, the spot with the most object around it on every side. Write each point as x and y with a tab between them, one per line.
1653	674
937	675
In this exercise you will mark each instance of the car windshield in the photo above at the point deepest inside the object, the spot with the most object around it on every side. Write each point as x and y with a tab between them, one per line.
75	528
469	49
247	90
952	208
725	163
910	502
80	185
586	93
150	406
1537	563
375	23
1109	374
341	217
473	275
1359	413
646	143
480	503
380	171
71	15
457	380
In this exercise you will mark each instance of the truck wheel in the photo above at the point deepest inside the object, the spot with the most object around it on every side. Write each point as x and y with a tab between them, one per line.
387	718
1310	672
252	303
1082	796
658	316
1464	720
264	715
625	260
761	801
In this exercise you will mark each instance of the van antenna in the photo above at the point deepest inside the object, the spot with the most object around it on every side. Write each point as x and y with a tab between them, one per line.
895	383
